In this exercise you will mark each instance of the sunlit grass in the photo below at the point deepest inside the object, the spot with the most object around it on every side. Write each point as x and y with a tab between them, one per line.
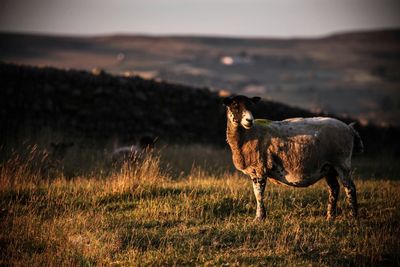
145	214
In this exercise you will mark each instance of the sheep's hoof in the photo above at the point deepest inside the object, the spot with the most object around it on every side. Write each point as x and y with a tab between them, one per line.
259	219
330	218
353	217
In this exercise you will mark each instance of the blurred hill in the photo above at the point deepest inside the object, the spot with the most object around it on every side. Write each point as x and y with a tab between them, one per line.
352	74
99	106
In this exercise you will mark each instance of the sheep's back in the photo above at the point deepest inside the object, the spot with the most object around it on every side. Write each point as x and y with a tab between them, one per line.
305	145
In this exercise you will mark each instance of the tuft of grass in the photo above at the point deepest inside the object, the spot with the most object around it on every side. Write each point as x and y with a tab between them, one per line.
146	212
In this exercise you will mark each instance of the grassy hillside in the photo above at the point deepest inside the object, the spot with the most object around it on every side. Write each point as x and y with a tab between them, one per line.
101	108
351	73
167	210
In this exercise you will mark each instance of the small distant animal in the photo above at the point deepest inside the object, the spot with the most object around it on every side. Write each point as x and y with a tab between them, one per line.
145	145
56	156
295	152
60	149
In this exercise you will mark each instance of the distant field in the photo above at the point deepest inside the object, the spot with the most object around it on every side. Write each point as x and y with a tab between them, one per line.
169	210
352	74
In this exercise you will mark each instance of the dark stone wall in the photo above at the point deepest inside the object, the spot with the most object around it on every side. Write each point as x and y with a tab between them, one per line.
102	106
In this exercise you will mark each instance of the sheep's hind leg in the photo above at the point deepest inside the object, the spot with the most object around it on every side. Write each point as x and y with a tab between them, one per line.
350	189
259	188
334	189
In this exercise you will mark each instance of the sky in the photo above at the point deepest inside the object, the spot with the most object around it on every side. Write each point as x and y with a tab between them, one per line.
244	18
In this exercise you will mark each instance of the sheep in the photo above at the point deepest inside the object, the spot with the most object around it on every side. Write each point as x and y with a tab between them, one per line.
54	162
295	152
132	152
60	149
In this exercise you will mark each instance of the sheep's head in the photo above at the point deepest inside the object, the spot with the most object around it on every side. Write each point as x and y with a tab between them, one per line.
238	110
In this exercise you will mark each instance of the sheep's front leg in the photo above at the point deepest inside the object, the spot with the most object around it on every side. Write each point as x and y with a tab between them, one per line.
259	188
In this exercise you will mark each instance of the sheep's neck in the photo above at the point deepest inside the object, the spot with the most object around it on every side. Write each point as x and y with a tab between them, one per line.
234	137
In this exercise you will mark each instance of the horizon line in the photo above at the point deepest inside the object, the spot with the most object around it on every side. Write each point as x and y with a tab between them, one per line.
197	35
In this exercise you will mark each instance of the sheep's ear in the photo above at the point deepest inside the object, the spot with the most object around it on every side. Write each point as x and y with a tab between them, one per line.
227	101
255	99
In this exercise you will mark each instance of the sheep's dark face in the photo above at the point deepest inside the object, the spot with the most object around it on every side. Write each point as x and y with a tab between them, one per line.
238	110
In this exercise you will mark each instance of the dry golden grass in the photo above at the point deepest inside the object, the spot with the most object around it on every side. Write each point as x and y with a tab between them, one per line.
154	213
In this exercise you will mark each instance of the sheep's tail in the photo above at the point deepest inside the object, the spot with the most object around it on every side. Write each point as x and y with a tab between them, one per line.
358	144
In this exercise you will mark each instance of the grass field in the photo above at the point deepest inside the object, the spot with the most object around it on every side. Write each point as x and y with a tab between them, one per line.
167	210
